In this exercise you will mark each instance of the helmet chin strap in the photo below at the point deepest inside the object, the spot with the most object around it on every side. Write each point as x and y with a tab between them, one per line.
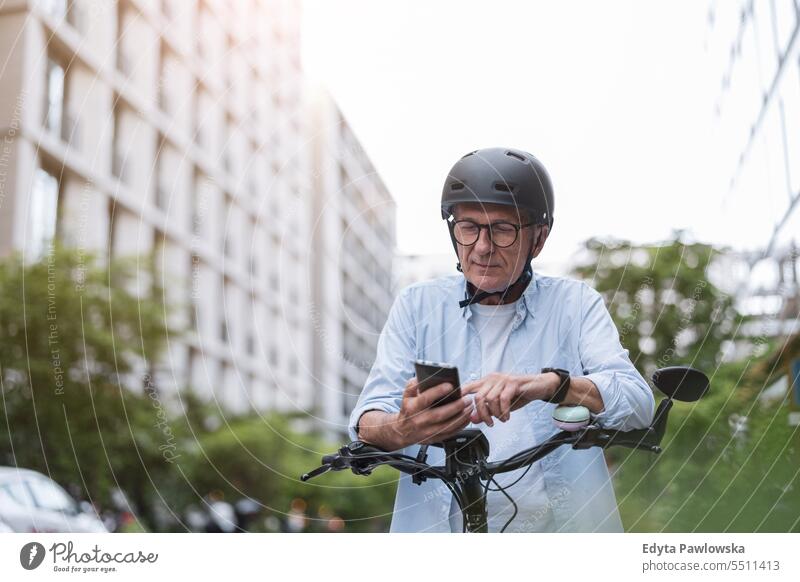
475	296
520	284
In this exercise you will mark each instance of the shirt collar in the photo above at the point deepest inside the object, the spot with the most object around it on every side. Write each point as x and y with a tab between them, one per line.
524	303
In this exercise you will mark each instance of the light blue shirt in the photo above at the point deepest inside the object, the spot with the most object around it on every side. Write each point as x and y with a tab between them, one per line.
559	322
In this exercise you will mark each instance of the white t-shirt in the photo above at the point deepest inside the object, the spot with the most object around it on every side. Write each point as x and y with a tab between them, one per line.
493	323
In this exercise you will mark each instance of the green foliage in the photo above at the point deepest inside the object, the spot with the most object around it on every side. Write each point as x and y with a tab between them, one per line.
69	341
78	339
263	458
709	477
667	311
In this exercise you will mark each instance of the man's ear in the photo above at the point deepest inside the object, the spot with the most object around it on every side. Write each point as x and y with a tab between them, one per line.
538	243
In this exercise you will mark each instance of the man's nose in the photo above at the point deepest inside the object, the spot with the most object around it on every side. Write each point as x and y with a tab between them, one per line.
484	244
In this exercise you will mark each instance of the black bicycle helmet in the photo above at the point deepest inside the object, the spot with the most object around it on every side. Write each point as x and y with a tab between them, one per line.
504	176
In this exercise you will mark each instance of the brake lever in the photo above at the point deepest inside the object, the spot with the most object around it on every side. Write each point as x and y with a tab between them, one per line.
315	473
334	462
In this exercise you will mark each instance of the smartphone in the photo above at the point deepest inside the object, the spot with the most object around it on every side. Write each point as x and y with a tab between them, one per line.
430	374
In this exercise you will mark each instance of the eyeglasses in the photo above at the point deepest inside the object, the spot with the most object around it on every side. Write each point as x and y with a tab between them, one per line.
502	234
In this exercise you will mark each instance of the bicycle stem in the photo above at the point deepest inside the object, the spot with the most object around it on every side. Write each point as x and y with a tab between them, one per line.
465	455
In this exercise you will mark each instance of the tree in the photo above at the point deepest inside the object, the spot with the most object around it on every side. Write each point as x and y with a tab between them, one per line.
716	474
667	310
713	474
77	338
262	457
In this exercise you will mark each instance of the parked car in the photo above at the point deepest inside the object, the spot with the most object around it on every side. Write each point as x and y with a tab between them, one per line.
31	502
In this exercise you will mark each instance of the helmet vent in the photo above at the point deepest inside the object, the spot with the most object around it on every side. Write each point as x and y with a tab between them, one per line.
456	186
504	187
515	155
469	154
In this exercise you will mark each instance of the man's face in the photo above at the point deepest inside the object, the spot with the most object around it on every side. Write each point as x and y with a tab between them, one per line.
486	265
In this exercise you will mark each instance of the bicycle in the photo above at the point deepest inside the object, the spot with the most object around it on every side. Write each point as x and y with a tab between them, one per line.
468	474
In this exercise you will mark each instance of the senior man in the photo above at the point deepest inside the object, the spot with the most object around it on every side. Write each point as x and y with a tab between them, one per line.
524	343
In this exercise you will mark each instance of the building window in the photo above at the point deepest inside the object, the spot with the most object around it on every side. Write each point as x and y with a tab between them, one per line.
119	162
253	267
42	213
204	110
228	228
54	107
164	97
169	11
161	190
199	203
160	199
123	61
55	8
193	316
227	155
76	16
224	330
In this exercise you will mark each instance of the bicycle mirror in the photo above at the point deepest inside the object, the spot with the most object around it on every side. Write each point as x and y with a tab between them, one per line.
681	383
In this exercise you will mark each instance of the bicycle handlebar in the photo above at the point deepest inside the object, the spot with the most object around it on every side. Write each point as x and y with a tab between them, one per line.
362	458
356	455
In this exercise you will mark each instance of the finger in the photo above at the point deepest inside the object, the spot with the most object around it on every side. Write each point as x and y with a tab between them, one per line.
477	402
410	391
482	407
431	395
447	435
457	422
472	387
506	400
461	423
474	416
493	398
450	427
444	413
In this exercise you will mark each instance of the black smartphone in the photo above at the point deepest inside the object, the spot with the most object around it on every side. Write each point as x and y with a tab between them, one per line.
430	374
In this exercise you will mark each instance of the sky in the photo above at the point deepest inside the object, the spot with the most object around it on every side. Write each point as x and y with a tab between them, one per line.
615	98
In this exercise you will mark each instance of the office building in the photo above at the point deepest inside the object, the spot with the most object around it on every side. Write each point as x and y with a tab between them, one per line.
354	244
178	128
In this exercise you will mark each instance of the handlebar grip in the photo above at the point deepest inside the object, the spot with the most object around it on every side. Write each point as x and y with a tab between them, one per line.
329	459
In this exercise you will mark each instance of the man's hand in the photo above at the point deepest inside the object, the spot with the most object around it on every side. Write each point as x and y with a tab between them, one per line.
497	395
418	422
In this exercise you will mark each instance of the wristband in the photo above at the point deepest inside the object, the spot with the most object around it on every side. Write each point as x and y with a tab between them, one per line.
563	387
